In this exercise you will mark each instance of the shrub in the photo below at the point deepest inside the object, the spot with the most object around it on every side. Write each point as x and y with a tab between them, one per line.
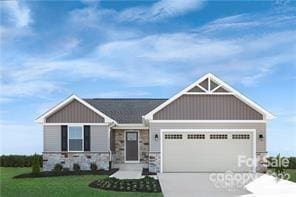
35	164
58	168
76	167
93	166
292	162
18	160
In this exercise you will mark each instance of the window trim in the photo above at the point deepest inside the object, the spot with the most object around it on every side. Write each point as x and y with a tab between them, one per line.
82	137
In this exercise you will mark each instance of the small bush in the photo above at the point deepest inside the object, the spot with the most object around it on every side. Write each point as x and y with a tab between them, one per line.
35	164
76	167
58	168
147	184
93	166
18	160
292	162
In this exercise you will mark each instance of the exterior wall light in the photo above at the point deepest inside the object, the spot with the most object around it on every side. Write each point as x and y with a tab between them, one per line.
156	137
261	137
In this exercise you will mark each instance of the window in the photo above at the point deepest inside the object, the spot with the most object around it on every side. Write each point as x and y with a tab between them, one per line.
75	138
218	136
131	136
240	136
196	136
173	136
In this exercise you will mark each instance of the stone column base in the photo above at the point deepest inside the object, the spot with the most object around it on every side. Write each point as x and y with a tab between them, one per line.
154	162
68	159
261	165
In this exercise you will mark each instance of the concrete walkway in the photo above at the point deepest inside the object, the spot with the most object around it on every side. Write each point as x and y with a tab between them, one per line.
195	184
124	174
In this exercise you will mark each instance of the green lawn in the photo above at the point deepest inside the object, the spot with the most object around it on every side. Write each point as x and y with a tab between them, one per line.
292	173
54	186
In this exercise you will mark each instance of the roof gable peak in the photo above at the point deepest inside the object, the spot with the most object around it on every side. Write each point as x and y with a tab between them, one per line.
210	84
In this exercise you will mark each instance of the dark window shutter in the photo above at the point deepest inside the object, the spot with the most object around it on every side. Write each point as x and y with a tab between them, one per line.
86	138
64	138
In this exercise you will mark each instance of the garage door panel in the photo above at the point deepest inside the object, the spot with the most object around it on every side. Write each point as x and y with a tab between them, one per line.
205	155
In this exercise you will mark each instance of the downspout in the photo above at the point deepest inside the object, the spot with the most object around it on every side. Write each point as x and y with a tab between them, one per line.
109	149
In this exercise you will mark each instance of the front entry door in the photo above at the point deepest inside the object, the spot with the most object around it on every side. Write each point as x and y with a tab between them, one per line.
131	146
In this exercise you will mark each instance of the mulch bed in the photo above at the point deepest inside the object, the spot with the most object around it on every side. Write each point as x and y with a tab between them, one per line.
146	184
67	173
145	172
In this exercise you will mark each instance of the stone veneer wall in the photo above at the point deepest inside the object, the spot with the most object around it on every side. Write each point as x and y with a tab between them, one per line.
118	156
68	159
144	146
261	158
154	162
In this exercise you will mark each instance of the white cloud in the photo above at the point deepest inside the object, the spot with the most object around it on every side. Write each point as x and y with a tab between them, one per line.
15	20
245	22
18	14
93	16
159	59
160	10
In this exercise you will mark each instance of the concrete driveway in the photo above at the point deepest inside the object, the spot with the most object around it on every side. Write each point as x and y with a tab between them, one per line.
197	184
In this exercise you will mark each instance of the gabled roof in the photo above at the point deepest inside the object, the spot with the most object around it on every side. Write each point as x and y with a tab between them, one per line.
125	110
203	87
42	118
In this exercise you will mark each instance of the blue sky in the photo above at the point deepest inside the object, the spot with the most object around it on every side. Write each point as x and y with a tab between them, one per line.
50	50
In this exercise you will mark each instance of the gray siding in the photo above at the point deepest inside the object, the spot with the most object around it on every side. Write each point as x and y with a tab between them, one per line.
99	139
52	138
75	112
207	107
156	127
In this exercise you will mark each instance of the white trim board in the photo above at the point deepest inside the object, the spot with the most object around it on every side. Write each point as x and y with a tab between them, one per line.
74	124
253	131
208	121
130	126
265	113
138	138
42	118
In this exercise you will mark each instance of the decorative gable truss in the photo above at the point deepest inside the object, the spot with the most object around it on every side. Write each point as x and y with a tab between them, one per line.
209	84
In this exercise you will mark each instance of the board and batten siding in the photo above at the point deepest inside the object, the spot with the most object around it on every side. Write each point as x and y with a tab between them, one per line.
207	107
98	138
75	112
156	127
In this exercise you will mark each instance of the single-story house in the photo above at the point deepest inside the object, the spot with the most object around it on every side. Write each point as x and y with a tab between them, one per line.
206	127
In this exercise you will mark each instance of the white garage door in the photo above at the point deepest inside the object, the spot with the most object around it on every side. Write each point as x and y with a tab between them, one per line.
206	152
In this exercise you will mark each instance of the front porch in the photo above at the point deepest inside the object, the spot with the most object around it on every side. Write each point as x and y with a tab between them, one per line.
130	148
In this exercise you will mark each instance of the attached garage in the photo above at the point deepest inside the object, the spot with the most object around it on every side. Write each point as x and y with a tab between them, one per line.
206	150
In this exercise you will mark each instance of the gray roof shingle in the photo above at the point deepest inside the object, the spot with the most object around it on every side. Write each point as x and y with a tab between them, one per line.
125	110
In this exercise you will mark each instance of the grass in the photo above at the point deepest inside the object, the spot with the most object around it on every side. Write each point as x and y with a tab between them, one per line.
55	186
292	173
